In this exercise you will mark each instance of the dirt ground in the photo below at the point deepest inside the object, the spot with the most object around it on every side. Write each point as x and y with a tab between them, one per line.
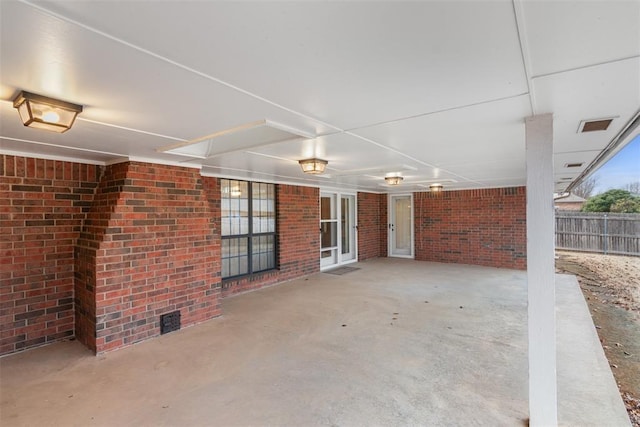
611	286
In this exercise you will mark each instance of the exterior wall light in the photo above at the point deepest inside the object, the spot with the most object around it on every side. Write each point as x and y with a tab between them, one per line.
41	112
436	188
393	180
313	166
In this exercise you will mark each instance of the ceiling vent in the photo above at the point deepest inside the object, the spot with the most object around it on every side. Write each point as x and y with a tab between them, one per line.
595	125
573	165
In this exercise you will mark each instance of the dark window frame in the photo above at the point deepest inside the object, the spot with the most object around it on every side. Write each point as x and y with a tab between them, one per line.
250	235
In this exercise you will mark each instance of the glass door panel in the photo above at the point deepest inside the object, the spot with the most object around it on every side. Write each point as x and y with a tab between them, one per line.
400	226
347	228
328	230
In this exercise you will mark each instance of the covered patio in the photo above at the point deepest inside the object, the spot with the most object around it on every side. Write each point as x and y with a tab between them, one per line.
391	342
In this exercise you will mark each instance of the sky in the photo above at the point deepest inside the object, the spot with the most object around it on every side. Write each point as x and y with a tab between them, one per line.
622	169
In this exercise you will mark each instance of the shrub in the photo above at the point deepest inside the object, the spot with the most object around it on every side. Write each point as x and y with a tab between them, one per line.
602	202
631	205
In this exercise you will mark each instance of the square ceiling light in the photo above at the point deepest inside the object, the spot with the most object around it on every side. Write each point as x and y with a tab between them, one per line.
42	112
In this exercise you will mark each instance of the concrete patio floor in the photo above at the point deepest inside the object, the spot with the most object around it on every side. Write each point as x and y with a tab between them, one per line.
397	342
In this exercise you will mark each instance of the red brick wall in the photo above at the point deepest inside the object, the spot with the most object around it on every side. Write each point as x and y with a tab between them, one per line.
371	213
482	227
384	203
42	206
568	206
148	247
298	235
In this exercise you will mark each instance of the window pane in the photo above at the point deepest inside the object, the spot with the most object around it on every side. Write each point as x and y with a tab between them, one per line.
234	207
263	200
224	188
329	234
234	257
244	265
247	209
263	252
345	225
243	246
233	266
225	268
257	226
327	207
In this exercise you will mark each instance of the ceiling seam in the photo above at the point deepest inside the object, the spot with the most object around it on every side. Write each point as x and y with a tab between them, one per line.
445	110
130	129
583	67
88	150
518	14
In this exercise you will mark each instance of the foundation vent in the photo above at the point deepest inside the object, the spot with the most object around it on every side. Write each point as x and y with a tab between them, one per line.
170	322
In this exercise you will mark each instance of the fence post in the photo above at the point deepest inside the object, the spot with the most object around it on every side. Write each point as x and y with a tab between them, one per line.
605	246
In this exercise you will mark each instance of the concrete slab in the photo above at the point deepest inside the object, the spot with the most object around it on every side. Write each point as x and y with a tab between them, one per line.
397	342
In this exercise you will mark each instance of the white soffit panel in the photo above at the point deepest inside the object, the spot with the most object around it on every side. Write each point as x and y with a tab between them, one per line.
243	137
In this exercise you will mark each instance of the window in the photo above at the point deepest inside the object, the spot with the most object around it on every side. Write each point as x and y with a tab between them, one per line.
248	227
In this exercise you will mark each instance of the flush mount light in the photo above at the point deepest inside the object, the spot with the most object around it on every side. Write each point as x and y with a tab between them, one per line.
393	180
313	166
436	188
45	113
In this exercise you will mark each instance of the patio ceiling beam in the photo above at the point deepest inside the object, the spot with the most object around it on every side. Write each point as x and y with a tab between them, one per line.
540	272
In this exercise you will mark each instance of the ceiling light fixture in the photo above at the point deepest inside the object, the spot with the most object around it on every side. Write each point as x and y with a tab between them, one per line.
436	188
393	180
41	112
313	166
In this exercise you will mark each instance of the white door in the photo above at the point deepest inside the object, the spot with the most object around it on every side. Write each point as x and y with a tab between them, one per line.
338	243
328	230
401	225
347	228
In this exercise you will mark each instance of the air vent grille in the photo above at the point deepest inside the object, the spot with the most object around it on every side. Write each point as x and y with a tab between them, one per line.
595	125
170	322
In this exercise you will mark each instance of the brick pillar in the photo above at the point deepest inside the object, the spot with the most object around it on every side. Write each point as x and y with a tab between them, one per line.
372	222
147	247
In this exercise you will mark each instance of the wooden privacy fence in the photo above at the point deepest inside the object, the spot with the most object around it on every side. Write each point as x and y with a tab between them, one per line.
607	233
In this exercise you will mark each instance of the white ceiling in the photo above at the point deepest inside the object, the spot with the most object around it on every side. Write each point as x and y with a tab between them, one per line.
435	91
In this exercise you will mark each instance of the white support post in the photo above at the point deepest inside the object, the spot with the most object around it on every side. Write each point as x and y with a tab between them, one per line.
543	405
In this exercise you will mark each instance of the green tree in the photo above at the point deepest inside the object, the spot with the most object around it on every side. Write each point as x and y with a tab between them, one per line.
631	205
602	202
